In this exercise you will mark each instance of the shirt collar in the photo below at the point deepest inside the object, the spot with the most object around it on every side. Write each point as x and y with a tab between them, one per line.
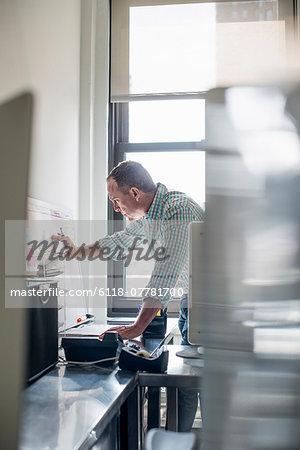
157	204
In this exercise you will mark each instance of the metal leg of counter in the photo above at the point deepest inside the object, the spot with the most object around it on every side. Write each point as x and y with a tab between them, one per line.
153	407
142	391
172	409
130	429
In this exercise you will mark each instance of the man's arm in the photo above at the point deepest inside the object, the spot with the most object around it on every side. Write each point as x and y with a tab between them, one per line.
110	247
150	306
83	252
163	278
148	312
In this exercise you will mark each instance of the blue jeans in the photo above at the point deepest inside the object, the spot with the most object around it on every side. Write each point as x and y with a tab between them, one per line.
183	320
187	398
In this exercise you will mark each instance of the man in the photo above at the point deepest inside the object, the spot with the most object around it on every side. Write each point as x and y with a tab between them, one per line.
159	215
155	215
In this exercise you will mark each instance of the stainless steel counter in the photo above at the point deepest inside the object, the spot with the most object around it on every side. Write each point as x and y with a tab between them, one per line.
73	407
70	407
181	372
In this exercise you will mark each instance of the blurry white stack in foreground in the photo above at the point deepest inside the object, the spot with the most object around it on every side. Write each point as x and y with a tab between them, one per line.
250	311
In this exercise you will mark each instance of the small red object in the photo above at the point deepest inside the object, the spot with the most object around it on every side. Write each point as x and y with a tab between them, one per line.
79	319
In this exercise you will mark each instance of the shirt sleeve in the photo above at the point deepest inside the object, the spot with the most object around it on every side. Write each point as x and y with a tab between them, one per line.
168	270
118	245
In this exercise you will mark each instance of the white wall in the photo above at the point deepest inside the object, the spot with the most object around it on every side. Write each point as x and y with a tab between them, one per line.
94	96
94	92
40	51
59	50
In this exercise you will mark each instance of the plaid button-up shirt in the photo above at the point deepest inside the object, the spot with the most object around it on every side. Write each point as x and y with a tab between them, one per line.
166	225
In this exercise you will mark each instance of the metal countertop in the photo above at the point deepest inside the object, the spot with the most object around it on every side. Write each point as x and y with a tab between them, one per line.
61	409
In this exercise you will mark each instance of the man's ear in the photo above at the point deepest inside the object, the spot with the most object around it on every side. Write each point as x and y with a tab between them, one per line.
135	193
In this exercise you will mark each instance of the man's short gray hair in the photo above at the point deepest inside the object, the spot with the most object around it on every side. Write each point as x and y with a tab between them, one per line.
131	173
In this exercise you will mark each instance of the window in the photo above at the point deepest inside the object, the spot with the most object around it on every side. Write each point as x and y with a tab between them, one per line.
171	150
166	121
165	55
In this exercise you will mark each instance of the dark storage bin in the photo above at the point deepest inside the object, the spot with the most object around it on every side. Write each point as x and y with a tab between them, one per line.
158	327
42	348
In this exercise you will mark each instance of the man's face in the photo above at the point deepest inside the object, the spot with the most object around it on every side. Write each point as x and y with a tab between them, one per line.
127	204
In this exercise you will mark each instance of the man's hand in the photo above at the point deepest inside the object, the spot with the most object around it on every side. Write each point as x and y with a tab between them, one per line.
67	241
147	313
62	238
125	331
80	253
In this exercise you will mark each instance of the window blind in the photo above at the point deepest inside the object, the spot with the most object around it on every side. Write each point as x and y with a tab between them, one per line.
174	47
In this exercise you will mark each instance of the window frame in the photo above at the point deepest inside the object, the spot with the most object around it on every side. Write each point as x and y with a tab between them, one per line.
118	147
